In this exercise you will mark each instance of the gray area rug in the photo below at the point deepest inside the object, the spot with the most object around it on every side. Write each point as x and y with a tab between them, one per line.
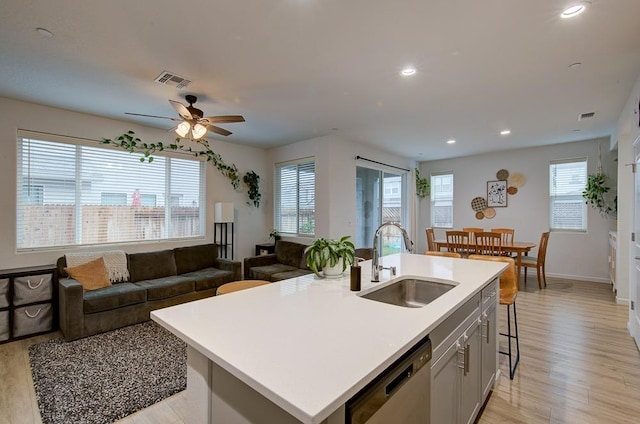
103	378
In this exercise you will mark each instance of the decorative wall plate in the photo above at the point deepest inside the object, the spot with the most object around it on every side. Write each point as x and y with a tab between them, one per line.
479	204
517	180
512	190
479	215
502	175
489	213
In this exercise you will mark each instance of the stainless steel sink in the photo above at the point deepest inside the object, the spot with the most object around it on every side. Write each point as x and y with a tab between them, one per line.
409	292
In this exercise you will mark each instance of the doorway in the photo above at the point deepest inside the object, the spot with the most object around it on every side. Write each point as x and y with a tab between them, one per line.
380	197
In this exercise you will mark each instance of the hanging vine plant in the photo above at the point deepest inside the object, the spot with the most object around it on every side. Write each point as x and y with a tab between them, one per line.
595	194
423	188
129	142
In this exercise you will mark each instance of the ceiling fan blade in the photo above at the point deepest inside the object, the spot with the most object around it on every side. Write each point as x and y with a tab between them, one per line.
181	109
218	130
224	119
152	116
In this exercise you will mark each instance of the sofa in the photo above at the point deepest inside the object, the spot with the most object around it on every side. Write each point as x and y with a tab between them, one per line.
156	280
288	261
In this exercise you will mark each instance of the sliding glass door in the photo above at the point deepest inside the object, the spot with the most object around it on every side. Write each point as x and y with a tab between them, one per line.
380	197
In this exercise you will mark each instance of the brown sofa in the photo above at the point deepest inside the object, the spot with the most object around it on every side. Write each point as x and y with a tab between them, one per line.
289	261
157	279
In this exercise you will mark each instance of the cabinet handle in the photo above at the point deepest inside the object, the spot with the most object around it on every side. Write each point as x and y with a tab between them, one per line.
33	287
489	331
485	323
26	311
461	353
467	348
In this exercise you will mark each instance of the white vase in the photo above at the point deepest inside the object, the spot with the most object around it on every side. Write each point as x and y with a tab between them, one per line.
333	271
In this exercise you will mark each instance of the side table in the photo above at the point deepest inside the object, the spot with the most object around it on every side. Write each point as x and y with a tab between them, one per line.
265	248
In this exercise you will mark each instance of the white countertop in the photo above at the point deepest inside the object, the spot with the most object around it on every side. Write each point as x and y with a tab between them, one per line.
309	345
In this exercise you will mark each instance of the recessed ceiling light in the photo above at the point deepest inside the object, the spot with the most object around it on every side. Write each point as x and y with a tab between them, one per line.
452	141
505	132
44	32
408	71
575	9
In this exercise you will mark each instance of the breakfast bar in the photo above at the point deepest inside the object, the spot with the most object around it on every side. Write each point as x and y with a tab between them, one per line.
298	350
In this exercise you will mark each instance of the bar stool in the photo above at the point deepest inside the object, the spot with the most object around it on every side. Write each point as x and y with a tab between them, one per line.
508	294
239	285
444	254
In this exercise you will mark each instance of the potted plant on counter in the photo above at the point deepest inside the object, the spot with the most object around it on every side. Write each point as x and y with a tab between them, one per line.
330	257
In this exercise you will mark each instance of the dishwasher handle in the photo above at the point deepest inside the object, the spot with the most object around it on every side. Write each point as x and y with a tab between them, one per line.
398	381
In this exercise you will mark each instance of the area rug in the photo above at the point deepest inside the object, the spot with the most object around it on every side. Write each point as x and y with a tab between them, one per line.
103	378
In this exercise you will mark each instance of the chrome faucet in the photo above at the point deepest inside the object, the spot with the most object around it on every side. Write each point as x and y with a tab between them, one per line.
375	267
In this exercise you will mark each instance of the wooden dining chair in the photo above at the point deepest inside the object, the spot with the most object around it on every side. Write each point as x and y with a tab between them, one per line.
537	262
507	237
458	241
507	234
472	233
488	243
508	294
431	239
445	254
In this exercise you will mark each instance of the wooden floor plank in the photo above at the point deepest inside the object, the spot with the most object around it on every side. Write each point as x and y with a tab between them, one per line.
578	365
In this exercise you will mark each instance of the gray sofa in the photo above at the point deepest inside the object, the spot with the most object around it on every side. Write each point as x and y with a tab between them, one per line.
288	261
157	279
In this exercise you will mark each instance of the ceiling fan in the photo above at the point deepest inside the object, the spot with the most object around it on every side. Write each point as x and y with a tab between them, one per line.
192	124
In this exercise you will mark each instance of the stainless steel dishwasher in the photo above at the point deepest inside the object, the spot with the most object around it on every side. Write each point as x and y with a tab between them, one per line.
401	394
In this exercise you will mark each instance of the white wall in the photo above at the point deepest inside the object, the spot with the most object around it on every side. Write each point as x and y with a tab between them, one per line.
251	224
569	255
335	179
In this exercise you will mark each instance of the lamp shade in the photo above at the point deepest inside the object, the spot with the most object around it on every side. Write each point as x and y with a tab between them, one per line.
224	212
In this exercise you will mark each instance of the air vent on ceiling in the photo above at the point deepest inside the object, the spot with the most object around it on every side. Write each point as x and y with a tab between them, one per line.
587	115
167	78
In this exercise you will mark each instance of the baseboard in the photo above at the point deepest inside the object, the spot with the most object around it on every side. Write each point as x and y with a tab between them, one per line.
580	278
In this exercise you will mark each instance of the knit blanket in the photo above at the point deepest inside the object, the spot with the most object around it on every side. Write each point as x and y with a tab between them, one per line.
115	261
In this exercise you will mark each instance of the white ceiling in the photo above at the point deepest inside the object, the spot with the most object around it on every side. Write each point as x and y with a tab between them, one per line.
299	69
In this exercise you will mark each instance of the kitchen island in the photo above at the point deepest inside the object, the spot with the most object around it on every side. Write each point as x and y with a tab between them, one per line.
299	349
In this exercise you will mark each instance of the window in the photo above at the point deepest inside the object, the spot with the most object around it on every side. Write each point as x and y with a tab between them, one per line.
442	200
71	193
295	192
567	209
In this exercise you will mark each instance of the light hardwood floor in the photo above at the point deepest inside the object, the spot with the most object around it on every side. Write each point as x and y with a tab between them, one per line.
578	365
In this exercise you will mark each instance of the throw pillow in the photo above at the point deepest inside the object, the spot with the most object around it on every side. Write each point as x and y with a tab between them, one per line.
92	275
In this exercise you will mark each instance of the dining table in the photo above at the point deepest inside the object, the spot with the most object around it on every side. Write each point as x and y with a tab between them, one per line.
517	247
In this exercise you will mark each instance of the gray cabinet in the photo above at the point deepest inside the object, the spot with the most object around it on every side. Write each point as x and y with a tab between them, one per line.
489	338
28	302
464	359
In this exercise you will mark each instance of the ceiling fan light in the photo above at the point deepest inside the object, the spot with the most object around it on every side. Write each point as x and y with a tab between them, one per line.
198	131
183	129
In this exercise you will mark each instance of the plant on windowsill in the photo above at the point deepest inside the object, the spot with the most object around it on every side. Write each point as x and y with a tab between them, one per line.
132	144
275	235
422	186
330	257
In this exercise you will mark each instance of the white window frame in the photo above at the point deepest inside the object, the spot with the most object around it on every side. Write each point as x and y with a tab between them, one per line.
300	165
73	198
575	197
433	200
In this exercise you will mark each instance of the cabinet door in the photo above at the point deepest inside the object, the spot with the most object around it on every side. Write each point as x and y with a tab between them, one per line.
489	349
471	363
445	387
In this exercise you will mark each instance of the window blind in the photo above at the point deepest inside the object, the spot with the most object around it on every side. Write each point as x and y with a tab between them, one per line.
567	208
295	197
73	194
442	200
